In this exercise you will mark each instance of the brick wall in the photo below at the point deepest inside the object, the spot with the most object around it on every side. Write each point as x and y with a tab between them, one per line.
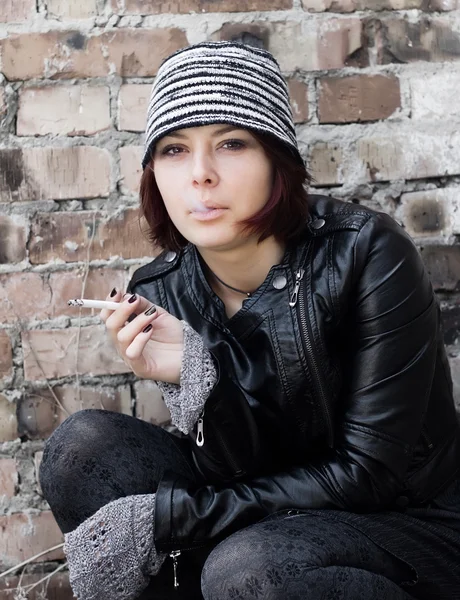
375	88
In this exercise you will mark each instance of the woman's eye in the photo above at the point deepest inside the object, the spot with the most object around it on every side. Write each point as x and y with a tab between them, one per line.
167	150
237	144
229	145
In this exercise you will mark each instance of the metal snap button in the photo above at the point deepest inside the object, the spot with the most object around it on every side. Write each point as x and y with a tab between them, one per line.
279	282
170	256
402	501
318	223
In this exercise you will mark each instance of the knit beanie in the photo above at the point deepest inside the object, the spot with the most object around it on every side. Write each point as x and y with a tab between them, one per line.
220	82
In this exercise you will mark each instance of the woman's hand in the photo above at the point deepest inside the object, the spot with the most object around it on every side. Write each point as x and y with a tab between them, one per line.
154	353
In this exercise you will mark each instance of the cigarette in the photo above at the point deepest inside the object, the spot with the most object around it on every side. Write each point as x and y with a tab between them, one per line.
83	303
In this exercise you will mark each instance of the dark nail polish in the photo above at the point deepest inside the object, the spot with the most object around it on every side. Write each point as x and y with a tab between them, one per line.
131	317
132	299
113	292
147	329
150	311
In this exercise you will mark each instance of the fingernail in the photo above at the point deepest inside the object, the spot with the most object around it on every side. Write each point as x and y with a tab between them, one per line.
113	292
132	299
150	311
131	317
147	329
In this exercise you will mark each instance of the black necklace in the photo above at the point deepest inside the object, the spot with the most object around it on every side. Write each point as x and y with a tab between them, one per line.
248	294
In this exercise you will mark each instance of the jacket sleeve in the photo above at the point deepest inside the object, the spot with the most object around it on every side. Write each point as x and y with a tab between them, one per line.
392	348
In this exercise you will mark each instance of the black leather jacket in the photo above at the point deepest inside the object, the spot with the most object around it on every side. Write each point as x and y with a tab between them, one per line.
333	390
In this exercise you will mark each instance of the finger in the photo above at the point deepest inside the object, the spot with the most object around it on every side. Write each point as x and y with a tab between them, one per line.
129	304
136	347
114	296
127	334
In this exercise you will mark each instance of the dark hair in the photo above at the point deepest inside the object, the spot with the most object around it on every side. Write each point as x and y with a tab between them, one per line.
284	215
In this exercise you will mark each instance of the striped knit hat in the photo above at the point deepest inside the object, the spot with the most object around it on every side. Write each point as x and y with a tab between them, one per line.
220	82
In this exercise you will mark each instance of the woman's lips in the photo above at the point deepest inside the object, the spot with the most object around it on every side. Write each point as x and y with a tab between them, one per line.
208	215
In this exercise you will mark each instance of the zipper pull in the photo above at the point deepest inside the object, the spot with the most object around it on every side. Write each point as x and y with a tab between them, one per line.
199	431
295	294
174	554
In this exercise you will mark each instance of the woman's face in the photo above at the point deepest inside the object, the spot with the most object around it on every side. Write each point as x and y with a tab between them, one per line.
211	178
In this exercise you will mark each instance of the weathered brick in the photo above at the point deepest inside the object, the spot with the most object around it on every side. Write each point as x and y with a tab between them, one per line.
130	169
377	5
455	370
57	588
155	7
6	355
13	237
358	98
443	266
150	406
451	323
409	155
306	45
3	106
132	106
8	421
256	34
432	96
72	54
54	173
428	213
325	164
66	236
16	10
56	351
8	477
64	110
428	39
25	535
39	414
298	94
72	9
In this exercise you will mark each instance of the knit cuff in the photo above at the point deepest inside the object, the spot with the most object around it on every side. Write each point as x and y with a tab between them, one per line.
198	376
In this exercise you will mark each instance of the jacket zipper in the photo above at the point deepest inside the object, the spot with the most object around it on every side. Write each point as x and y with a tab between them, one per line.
200	442
298	300
174	555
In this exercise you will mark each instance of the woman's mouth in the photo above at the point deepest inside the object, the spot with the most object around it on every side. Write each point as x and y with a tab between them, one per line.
207	215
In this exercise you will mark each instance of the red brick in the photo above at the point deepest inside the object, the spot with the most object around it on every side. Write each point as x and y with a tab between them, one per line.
357	98
17	10
8	421
324	164
23	536
36	296
54	173
339	43
55	350
428	39
13	237
6	355
72	9
150	406
8	477
64	110
57	588
298	93
72	54
132	106
130	169
66	236
155	7
39	413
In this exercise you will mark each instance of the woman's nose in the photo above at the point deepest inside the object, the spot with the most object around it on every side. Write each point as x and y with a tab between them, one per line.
203	170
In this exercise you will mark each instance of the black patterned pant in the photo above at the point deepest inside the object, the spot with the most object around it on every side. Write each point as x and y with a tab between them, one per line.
96	456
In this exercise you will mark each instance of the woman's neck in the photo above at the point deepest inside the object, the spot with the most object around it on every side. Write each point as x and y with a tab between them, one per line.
244	268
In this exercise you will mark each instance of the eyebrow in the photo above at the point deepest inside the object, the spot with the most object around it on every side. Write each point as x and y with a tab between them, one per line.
219	131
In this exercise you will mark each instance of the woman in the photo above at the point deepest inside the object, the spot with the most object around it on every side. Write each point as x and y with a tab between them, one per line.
296	340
